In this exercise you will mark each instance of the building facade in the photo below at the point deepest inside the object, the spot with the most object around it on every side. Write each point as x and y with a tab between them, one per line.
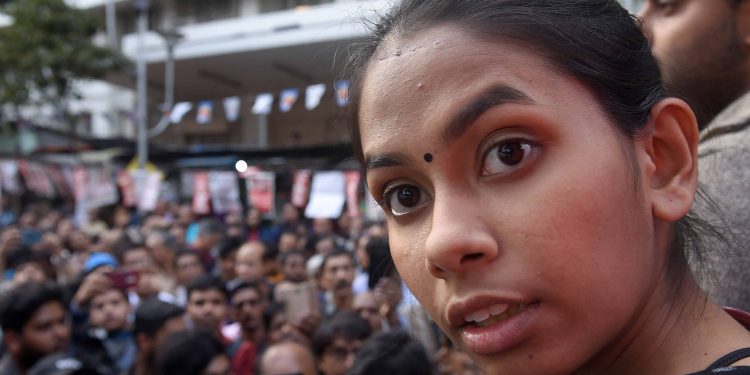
230	48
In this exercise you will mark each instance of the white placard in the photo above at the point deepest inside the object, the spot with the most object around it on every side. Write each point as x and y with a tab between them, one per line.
327	196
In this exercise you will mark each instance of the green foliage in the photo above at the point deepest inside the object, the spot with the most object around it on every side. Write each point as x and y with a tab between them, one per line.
48	45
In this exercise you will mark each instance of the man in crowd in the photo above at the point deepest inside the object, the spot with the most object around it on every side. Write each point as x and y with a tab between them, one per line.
154	321
288	358
188	267
207	305
34	322
192	352
337	340
337	275
247	310
703	49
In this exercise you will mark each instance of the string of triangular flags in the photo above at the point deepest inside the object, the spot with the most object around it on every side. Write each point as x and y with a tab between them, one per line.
263	104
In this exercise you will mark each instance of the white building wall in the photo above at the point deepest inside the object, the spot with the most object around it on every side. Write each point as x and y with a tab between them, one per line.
249	31
109	107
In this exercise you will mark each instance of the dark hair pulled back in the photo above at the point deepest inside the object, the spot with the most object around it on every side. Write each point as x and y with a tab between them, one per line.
596	42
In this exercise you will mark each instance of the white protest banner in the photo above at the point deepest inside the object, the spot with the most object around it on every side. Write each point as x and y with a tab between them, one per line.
201	194
101	190
261	190
301	187
150	192
225	193
327	196
9	171
352	193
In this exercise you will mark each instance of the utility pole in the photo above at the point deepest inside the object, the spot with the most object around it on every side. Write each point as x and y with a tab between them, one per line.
111	25
171	37
141	7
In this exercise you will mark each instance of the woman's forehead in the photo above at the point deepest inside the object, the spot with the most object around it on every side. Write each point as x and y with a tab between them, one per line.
430	76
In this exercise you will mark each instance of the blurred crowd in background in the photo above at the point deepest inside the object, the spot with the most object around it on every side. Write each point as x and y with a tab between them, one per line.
169	292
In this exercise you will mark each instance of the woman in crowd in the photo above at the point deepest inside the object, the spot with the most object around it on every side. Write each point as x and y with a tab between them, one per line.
536	179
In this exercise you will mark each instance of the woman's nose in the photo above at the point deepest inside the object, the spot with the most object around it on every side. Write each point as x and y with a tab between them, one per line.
460	239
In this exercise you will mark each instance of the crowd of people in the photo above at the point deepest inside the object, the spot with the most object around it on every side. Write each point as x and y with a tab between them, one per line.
542	200
171	293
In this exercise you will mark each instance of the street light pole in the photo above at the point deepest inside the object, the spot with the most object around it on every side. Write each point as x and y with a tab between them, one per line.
171	37
142	26
111	24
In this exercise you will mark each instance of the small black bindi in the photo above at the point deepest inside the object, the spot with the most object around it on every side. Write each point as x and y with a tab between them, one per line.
428	157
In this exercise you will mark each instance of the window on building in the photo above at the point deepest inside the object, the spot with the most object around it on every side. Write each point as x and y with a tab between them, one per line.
82	123
277	5
196	11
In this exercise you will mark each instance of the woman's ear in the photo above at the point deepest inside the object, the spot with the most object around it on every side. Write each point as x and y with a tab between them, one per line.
670	145
742	17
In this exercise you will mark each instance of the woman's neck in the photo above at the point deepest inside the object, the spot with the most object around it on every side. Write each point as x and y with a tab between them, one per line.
678	332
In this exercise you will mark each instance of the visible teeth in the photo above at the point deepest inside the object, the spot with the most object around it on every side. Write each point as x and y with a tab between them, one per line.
498	309
478	316
484	314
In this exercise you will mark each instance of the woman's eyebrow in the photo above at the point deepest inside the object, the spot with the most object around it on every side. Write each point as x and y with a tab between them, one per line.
492	97
384	160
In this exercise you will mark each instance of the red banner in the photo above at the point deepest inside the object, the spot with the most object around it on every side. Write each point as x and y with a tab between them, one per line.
261	189
36	179
352	193
201	194
301	187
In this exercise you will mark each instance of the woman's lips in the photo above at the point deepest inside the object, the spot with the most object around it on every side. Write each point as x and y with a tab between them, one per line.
488	326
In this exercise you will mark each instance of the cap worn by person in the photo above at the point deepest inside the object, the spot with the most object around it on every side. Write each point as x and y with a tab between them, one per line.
96	260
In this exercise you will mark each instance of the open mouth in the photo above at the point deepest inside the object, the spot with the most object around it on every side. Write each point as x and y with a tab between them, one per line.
494	314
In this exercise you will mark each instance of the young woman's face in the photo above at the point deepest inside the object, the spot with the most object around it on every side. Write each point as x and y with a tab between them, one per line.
511	200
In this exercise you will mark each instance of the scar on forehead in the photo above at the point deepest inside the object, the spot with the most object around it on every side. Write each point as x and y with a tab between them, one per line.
428	157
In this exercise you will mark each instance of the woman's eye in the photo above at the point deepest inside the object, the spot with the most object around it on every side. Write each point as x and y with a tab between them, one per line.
505	157
403	199
665	5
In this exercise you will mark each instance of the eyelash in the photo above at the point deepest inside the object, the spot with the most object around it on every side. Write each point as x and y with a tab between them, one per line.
527	148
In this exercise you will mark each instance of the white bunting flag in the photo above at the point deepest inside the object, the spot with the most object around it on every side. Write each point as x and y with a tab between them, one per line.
232	108
288	98
313	94
342	93
179	110
205	109
263	104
